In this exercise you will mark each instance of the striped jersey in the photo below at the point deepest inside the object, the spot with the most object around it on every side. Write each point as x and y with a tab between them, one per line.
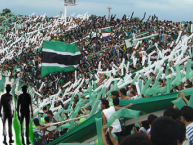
189	131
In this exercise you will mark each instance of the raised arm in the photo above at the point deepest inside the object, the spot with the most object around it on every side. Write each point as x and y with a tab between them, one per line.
127	106
104	129
112	138
44	127
184	98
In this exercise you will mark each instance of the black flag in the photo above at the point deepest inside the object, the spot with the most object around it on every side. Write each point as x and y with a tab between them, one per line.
131	16
143	17
148	18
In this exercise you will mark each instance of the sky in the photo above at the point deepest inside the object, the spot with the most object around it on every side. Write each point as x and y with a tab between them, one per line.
173	10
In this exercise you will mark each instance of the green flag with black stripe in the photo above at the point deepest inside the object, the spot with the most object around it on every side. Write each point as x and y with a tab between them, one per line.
59	56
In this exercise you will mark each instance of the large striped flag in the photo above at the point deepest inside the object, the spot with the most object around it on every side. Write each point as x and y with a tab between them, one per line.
106	33
59	56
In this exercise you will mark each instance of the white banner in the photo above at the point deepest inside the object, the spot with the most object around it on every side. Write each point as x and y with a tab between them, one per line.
128	43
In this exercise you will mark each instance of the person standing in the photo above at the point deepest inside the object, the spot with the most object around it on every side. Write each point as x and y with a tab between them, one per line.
7	104
106	114
24	108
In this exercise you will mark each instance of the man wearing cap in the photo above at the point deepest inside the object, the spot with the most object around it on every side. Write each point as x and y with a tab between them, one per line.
24	108
7	104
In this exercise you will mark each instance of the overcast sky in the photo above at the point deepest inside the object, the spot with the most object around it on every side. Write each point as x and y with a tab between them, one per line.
175	10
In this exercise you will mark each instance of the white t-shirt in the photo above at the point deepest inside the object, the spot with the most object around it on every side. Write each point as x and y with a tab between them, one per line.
186	141
135	97
116	124
143	129
148	130
189	130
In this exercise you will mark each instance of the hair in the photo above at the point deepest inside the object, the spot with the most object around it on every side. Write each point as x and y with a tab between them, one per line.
182	131
164	131
115	93
116	101
36	122
120	138
132	92
145	124
151	118
44	108
173	113
187	113
105	102
123	91
136	139
50	112
47	119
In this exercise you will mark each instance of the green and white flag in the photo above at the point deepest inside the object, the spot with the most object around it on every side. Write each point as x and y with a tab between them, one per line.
129	43
59	56
106	33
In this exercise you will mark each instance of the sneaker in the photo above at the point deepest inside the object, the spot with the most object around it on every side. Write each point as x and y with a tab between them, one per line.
4	142
28	141
11	141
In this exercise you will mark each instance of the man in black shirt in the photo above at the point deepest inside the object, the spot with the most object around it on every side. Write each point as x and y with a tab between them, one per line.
8	111
24	107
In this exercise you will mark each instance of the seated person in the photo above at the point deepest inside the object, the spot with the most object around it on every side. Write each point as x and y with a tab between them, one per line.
123	94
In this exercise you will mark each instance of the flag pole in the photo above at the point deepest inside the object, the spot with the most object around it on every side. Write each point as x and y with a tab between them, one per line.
68	3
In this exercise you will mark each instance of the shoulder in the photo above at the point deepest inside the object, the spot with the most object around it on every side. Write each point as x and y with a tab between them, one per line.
20	95
142	129
10	95
54	118
3	95
189	128
28	94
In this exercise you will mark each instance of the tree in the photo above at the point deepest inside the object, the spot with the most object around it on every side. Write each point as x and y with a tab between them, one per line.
92	17
6	11
136	19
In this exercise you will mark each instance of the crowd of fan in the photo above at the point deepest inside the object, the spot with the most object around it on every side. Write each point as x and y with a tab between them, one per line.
27	65
175	127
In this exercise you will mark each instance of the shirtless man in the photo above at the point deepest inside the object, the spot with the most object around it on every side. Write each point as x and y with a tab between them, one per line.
123	94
